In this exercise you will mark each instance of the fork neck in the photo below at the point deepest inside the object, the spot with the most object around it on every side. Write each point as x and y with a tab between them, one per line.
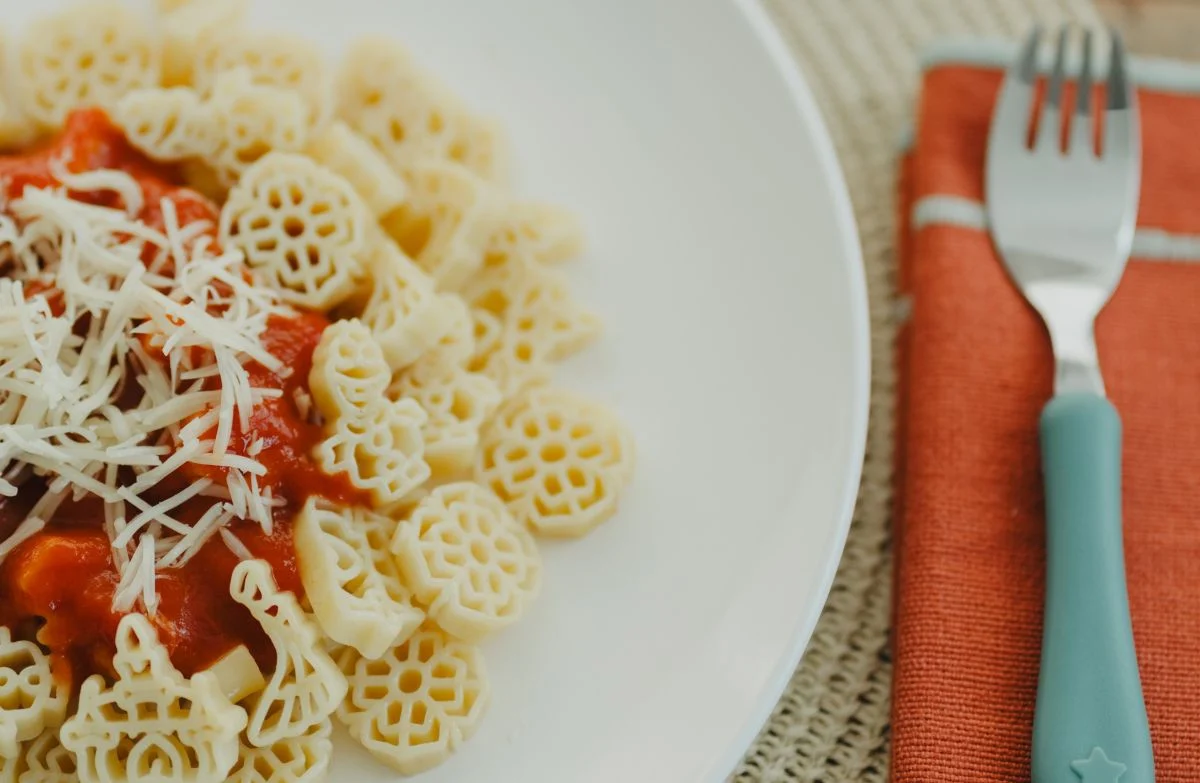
1076	363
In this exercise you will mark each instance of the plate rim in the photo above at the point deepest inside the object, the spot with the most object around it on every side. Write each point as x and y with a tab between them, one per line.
764	27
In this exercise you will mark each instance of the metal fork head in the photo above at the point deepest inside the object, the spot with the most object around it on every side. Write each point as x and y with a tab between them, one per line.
1074	204
1062	207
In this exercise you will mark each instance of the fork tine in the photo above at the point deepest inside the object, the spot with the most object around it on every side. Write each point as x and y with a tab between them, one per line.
1120	92
1120	116
1050	125
1014	106
1025	66
1083	127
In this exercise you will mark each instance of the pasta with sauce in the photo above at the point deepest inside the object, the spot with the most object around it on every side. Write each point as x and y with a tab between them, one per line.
277	423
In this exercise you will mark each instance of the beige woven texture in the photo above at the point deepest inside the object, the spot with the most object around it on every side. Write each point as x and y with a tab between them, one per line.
861	61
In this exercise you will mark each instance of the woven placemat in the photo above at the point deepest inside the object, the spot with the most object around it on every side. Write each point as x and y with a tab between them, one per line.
861	58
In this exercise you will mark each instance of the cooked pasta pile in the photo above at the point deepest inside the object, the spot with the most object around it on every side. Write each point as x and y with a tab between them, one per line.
277	347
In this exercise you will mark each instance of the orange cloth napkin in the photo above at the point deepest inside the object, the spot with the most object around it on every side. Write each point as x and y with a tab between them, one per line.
977	369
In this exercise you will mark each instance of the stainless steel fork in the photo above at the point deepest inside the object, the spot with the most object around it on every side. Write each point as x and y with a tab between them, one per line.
1062	217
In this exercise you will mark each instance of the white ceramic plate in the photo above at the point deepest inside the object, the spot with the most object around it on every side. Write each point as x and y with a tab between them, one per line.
725	261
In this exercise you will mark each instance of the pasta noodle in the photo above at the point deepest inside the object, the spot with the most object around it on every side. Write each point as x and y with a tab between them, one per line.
349	373
456	403
557	460
457	346
31	699
186	25
302	759
487	330
349	591
375	443
45	760
380	451
16	127
545	233
251	120
544	312
468	560
379	529
301	226
413	706
90	53
447	222
271	59
152	720
405	312
167	124
409	116
348	154
306	686
531	321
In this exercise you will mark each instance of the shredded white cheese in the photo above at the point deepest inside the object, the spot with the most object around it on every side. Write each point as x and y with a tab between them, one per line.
126	366
235	544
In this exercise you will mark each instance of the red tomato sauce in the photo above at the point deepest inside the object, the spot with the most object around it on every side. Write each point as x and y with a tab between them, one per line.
57	587
89	141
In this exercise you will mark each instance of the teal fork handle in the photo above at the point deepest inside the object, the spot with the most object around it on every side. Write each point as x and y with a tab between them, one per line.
1090	725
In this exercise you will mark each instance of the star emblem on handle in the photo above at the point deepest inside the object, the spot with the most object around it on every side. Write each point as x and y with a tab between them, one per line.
1098	768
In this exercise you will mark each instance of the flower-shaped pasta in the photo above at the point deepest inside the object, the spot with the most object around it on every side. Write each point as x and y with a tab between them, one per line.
152	723
380	451
557	460
251	120
349	594
487	330
457	346
46	761
300	225
447	221
534	321
483	147
410	117
348	371
468	560
413	707
544	312
16	128
380	529
88	54
514	365
274	59
167	124
400	510
303	759
535	302
186	25
31	699
457	403
405	312
306	686
348	154
545	233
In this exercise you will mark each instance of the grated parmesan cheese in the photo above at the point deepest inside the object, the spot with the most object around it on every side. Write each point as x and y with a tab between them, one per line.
235	544
179	333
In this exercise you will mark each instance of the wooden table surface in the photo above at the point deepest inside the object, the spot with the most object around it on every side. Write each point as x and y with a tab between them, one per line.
1163	28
